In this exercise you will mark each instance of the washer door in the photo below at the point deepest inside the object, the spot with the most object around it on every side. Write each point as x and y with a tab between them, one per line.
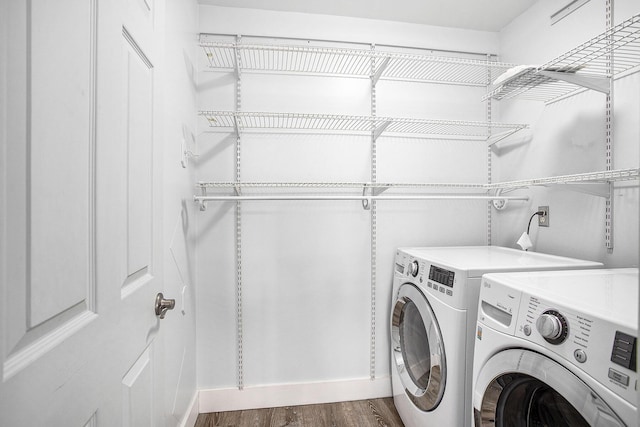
418	350
521	388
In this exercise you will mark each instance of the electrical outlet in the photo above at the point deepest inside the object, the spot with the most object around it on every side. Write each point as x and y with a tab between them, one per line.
543	220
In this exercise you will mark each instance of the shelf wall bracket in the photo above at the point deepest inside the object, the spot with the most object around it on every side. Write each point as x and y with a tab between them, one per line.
600	84
383	66
497	137
372	206
236	63
366	201
380	128
495	203
609	142
598	189
499	203
238	225
202	203
376	191
236	125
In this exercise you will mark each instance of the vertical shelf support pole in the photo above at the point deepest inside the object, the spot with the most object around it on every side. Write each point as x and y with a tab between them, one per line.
489	171
609	130
238	230
372	349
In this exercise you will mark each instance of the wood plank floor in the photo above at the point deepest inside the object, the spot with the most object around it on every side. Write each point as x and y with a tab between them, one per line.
361	413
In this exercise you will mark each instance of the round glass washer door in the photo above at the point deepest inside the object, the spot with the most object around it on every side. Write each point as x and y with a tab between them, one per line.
418	350
521	388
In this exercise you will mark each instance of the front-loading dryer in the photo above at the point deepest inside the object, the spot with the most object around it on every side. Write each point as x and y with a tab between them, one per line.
557	349
433	316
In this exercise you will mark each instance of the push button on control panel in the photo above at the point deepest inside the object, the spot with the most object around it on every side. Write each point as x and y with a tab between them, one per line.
580	355
624	351
618	377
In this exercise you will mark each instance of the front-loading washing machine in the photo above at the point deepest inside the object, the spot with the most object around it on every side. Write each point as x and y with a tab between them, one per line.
433	316
557	349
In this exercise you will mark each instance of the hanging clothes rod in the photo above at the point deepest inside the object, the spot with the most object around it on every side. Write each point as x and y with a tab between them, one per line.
354	197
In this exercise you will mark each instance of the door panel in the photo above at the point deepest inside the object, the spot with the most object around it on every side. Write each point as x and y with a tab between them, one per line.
139	129
137	405
79	214
60	264
51	282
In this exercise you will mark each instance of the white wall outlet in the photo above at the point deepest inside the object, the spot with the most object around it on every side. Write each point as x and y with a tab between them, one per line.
543	220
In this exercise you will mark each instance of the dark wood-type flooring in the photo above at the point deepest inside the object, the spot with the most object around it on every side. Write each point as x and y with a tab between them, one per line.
361	413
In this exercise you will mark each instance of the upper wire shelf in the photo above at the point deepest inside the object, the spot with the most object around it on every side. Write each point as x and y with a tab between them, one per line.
349	62
587	65
241	120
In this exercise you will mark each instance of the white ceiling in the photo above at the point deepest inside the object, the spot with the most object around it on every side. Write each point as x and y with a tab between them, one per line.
486	15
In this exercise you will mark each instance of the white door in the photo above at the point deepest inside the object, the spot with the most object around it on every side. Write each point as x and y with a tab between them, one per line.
79	255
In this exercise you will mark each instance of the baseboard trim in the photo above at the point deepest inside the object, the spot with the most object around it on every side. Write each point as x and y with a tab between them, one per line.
271	396
190	417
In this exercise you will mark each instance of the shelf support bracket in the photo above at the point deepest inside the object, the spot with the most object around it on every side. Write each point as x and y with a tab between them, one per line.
499	203
600	84
376	191
497	137
380	128
383	66
203	204
236	125
598	189
366	203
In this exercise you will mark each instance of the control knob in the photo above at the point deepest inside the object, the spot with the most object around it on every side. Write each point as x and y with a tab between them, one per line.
552	326
412	268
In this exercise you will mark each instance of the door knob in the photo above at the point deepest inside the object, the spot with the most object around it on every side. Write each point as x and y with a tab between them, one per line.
163	305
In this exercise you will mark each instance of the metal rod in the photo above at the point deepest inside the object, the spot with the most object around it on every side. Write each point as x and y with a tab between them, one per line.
354	197
203	36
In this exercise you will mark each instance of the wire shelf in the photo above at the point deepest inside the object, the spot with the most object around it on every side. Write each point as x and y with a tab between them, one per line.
349	62
330	122
290	191
589	177
337	185
584	66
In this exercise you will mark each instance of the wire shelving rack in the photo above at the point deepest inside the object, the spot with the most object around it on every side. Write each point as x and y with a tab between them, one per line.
352	62
589	65
239	121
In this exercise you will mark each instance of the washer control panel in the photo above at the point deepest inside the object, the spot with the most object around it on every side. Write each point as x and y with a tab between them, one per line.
592	344
553	326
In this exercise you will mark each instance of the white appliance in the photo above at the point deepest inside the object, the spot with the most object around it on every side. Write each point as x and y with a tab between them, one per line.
433	316
557	349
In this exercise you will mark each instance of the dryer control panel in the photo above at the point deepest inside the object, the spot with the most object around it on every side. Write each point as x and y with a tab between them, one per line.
434	280
441	276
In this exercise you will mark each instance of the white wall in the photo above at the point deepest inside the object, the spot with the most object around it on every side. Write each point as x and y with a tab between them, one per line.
179	221
568	137
306	265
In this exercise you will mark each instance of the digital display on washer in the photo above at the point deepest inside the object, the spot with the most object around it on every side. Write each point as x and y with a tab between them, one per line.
442	276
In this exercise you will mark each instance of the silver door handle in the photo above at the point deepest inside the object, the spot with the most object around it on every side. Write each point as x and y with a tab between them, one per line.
163	305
